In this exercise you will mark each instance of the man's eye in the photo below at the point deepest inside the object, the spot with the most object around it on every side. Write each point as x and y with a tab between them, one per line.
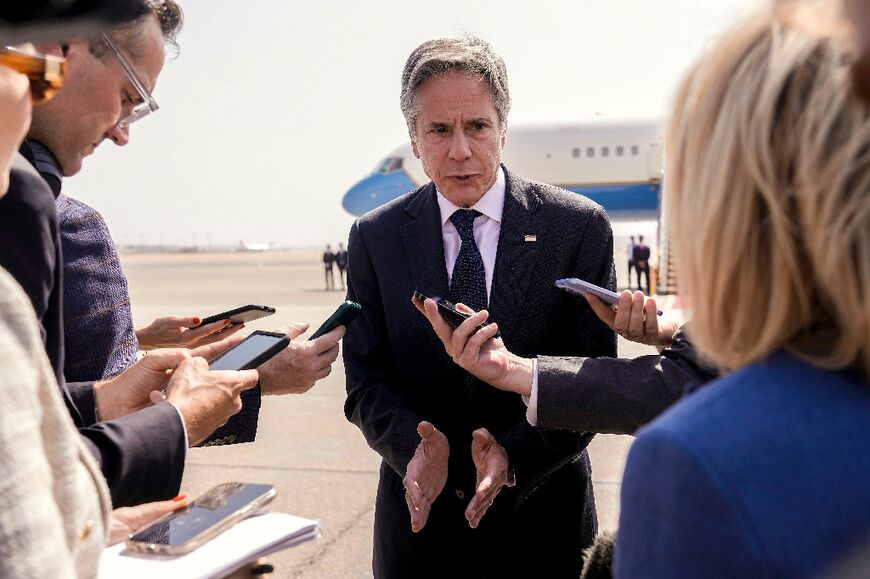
478	126
439	129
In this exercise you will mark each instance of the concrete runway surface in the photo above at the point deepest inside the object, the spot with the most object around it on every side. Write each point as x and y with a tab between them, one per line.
318	461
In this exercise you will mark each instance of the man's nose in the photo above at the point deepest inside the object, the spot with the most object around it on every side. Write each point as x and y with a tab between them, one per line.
118	135
459	149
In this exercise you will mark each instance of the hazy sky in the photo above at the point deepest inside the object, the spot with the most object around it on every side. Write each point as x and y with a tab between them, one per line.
273	109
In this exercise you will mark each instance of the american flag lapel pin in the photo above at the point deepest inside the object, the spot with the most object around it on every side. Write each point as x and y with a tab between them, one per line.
530	237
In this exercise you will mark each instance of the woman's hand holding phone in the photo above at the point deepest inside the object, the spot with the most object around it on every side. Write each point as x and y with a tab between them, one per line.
183	332
636	319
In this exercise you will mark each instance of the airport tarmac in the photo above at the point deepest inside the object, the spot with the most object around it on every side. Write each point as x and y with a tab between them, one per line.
318	461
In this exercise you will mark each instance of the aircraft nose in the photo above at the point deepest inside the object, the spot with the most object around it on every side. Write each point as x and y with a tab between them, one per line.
375	190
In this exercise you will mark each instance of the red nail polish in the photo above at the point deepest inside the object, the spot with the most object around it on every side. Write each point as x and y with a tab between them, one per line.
196	321
179	498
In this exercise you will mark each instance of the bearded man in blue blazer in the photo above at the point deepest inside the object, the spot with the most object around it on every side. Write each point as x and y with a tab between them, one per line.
464	476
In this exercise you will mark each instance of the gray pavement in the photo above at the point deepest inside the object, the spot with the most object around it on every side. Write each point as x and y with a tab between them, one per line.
318	461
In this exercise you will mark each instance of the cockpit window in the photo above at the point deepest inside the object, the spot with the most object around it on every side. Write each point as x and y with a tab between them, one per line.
389	165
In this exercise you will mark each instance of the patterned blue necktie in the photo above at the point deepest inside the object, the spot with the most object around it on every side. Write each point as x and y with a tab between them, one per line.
468	282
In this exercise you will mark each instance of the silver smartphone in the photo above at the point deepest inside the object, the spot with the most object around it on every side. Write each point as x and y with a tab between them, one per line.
580	287
209	515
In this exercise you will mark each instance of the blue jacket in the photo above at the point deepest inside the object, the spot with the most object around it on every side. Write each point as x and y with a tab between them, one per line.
762	473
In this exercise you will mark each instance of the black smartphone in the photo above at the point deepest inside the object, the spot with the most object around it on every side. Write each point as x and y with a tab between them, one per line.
205	518
342	316
251	352
240	315
449	312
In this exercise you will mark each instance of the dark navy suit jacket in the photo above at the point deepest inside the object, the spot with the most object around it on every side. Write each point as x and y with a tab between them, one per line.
762	473
398	374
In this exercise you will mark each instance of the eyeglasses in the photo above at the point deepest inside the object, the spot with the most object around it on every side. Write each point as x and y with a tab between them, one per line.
146	104
45	72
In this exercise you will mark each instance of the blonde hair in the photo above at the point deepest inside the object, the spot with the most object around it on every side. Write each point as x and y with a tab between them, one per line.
768	192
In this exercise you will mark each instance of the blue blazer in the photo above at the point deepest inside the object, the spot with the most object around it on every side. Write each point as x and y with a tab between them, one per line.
762	473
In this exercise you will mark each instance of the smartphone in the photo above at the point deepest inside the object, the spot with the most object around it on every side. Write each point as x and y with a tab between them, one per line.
449	312
240	315
580	287
251	352
205	518
342	316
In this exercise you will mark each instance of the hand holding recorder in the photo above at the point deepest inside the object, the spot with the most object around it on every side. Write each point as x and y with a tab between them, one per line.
631	315
474	347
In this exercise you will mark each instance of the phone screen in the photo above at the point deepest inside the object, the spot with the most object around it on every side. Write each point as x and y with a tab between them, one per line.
245	351
205	512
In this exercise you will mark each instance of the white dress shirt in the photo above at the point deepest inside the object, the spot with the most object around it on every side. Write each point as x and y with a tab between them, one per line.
486	228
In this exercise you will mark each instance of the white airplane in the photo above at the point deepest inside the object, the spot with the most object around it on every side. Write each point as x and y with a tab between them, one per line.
616	164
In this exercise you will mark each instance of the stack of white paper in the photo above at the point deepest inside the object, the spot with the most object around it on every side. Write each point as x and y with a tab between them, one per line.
252	538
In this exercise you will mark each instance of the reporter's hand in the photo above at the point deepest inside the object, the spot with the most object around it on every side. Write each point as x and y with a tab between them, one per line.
426	474
127	520
635	318
206	399
130	390
301	364
478	352
181	331
492	466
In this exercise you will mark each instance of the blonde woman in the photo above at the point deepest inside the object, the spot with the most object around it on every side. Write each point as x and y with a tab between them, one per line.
765	471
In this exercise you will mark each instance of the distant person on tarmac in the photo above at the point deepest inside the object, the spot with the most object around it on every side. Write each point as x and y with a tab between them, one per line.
328	261
640	257
630	254
341	262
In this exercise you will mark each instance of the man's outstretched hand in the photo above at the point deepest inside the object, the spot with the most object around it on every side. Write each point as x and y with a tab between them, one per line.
426	474
493	473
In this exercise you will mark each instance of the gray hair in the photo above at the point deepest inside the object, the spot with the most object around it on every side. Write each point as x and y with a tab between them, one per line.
127	33
470	55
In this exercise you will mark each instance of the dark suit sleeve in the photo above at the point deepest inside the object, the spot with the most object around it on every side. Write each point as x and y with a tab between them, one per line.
140	455
81	394
28	247
670	498
535	453
615	395
383	415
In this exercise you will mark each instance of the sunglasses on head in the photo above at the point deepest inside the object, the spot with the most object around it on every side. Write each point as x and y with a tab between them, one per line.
45	72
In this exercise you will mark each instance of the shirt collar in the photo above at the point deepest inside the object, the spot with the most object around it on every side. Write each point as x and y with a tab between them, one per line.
45	162
491	204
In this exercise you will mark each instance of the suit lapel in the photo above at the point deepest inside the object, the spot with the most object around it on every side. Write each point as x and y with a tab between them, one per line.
423	245
518	243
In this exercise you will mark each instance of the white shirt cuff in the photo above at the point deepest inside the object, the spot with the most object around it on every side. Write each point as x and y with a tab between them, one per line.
183	428
531	401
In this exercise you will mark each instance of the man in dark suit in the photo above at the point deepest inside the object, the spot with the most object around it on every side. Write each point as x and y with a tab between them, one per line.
482	493
640	257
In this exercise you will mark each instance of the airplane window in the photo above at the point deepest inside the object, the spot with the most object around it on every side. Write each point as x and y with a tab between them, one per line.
634	150
590	152
605	151
576	153
390	164
619	151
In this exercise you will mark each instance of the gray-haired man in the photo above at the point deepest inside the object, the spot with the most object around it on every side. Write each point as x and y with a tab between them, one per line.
452	446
